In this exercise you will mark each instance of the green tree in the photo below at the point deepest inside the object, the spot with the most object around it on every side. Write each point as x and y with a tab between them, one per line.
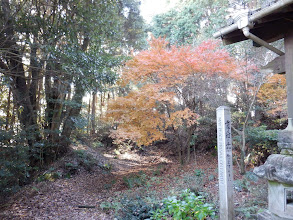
190	22
56	51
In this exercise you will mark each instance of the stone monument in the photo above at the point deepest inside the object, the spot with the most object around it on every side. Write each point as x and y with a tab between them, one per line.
225	163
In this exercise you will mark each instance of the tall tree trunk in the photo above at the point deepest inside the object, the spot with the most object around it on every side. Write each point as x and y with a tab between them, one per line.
38	107
55	96
13	118
34	69
101	104
48	93
8	110
22	94
178	143
14	59
187	143
56	118
180	159
93	115
188	153
201	108
69	123
243	153
194	154
88	117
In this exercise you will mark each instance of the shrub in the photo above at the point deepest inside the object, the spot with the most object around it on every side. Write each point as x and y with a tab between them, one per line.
135	180
262	143
71	168
135	209
14	163
85	160
247	212
205	136
49	175
185	206
194	182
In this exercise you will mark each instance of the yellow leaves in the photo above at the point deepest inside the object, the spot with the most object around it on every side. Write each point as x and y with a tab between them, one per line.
180	118
273	89
137	118
273	94
142	129
140	120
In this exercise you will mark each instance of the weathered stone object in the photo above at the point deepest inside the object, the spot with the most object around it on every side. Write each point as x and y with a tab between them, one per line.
278	171
285	142
277	168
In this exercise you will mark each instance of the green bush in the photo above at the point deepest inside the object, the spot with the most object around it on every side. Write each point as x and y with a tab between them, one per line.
135	209
247	212
256	135
49	175
135	180
194	182
262	143
14	163
85	160
199	172
205	137
71	169
185	206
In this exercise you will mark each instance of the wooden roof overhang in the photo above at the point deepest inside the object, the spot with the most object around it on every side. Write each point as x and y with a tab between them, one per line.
269	24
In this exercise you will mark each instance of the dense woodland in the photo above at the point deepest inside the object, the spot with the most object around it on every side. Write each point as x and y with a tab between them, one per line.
94	70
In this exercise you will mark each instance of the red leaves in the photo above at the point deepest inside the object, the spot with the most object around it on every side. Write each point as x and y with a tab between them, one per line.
173	65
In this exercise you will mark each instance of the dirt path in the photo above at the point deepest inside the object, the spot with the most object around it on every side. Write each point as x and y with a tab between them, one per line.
80	197
64	198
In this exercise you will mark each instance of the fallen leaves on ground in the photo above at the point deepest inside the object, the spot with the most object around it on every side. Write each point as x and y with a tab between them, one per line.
80	196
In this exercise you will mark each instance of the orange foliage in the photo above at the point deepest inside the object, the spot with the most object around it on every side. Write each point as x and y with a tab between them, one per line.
245	70
137	118
169	66
145	113
272	95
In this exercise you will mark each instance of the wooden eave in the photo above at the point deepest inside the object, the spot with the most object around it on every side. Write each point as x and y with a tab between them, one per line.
269	28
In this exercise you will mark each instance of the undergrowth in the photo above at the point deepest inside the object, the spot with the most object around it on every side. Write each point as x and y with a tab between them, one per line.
144	198
184	206
69	166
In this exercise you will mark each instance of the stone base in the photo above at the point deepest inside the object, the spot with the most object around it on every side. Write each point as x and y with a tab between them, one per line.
285	142
267	215
279	204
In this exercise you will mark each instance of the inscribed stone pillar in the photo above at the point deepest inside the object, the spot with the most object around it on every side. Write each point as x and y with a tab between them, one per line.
225	164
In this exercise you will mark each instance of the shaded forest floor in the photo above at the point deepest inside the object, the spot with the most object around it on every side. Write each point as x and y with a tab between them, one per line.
92	183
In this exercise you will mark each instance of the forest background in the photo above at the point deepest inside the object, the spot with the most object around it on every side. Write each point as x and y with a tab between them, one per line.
95	70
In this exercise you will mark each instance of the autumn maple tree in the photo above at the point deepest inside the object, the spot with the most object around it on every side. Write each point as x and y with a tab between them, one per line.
156	105
272	97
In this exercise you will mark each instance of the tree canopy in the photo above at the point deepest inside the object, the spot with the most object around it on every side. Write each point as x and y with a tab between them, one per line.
52	53
190	22
159	102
